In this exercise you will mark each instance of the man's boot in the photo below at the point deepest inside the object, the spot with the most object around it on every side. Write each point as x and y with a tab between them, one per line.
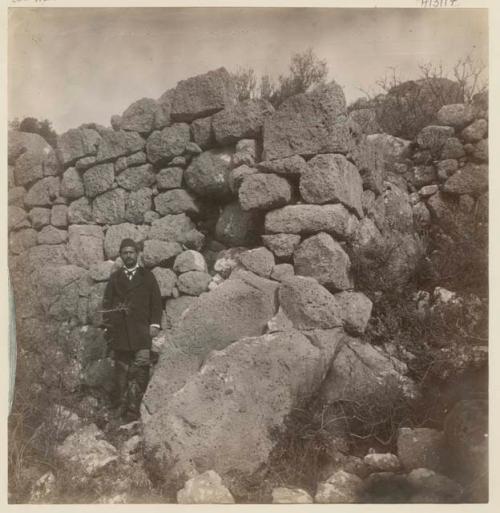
138	382
120	388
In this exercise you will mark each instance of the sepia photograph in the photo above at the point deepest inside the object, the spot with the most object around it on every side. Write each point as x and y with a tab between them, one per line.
248	254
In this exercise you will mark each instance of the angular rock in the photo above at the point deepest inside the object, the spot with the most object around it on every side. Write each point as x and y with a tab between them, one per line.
203	95
140	116
288	166
85	245
355	310
322	258
282	244
193	283
169	178
98	179
229	312
43	193
283	495
43	255
456	115
116	233
39	217
243	120
308	219
164	145
452	149
84	163
481	150
159	253
134	178
109	208
235	227
101	271
163	118
177	228
433	138
309	305
365	375
198	431
332	178
471	179
475	131
385	462
423	175
281	272
80	212
208	173
138	203
206	488
59	216
17	218
176	201
118	143
340	488
190	261
22	240
307	124
259	260
87	450
51	235
166	279
77	143
263	191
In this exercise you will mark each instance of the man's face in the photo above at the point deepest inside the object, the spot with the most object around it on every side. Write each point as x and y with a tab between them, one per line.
129	256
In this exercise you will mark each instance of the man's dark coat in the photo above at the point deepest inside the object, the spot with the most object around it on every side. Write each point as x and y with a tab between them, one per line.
130	307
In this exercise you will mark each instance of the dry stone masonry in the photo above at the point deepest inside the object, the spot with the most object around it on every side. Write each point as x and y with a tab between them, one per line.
250	218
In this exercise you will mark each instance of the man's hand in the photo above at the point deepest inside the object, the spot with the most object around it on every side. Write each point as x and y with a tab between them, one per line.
153	331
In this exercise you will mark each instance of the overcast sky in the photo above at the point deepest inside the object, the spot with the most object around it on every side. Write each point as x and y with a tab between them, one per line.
81	65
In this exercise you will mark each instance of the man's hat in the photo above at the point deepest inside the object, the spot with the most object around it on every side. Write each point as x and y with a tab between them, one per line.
129	243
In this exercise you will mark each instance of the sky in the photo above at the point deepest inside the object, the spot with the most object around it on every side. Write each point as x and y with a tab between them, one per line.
74	65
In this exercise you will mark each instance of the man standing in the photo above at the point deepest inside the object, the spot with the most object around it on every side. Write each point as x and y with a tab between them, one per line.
132	311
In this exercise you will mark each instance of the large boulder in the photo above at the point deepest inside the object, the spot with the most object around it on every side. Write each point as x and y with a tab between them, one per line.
332	179
169	178
159	252
322	258
205	488
411	105
110	207
138	204
236	227
80	212
177	228
355	309
471	179
282	244
264	191
59	216
228	400
309	123
434	137
17	218
308	219
203	95
259	260
203	135
308	304
288	166
166	279
243	120
421	448
77	143
368	378
457	115
392	150
233	310
141	116
369	159
164	145
193	283
136	159
340	488
72	184
208	173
